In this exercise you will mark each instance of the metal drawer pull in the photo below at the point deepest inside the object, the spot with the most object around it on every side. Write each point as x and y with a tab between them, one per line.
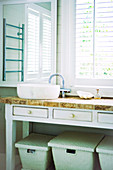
29	112
72	115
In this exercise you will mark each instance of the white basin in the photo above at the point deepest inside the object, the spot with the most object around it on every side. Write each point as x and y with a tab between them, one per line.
38	91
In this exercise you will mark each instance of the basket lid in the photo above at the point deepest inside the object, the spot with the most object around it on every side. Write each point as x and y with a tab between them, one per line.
77	140
106	145
35	141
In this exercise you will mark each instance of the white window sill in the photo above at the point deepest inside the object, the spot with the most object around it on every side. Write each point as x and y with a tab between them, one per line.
8	85
105	91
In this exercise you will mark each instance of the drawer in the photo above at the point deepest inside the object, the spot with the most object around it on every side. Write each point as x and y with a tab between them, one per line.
32	112
72	115
105	117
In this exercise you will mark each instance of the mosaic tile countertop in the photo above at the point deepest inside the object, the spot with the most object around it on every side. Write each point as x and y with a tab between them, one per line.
67	102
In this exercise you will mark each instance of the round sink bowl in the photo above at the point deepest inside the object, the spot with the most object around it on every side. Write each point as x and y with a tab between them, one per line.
38	91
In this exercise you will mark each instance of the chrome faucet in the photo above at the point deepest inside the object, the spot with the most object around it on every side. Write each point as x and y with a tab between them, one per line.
61	89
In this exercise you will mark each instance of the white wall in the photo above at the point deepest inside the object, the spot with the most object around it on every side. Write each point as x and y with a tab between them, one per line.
15	15
58	59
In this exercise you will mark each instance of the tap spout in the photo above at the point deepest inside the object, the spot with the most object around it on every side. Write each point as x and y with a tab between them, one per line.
57	74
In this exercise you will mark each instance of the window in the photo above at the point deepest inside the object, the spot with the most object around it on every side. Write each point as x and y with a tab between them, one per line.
89	35
39	43
94	39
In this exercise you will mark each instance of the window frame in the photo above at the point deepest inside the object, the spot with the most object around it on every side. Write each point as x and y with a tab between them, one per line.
40	78
33	76
68	60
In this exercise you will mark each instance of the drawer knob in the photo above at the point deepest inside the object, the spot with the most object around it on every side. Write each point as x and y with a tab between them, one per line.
29	112
72	115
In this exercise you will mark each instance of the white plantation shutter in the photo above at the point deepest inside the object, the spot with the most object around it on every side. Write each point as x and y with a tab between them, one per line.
104	39
46	45
39	50
33	42
93	39
84	38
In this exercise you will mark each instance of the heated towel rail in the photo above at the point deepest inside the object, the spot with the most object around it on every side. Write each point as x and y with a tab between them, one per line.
5	36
